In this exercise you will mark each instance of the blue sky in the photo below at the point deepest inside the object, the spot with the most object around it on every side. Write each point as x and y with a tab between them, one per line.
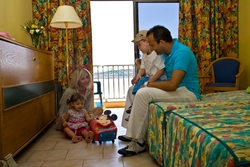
166	14
113	28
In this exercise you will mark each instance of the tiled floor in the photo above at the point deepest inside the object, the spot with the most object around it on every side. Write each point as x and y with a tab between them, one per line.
52	149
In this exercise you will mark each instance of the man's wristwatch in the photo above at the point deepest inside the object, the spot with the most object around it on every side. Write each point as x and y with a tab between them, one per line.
146	84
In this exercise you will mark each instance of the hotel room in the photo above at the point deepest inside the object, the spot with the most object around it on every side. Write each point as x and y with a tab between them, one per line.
41	145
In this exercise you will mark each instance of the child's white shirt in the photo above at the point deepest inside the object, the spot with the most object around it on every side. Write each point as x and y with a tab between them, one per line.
153	63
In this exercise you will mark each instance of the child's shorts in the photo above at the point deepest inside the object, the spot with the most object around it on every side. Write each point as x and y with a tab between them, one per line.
139	84
78	131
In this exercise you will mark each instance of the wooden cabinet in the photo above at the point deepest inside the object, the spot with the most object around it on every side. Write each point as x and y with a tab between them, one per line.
27	97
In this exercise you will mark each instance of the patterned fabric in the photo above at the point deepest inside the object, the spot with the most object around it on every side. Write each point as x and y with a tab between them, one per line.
79	40
209	28
156	132
212	131
77	119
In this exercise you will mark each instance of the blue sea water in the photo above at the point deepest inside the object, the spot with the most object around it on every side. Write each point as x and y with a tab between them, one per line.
126	73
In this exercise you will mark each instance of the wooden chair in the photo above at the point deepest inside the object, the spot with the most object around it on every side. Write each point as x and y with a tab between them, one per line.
224	74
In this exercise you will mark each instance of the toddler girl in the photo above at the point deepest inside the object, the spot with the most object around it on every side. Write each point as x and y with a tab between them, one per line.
76	120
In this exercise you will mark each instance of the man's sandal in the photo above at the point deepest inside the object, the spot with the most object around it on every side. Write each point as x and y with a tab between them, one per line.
124	138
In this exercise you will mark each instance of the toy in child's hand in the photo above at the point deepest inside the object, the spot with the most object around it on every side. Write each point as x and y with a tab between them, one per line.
248	89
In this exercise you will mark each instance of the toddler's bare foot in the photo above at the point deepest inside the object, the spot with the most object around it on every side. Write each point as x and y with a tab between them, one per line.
89	137
76	139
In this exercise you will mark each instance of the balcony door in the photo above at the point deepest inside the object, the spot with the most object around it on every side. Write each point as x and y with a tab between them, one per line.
115	23
112	32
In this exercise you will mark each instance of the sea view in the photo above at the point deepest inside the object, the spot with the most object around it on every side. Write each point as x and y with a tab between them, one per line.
115	80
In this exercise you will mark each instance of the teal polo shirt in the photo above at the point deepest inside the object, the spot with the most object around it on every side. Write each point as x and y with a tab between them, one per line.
182	58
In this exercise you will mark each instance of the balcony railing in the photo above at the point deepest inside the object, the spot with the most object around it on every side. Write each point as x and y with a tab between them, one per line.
115	80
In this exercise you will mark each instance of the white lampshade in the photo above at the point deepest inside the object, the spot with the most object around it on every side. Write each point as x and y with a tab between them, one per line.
65	14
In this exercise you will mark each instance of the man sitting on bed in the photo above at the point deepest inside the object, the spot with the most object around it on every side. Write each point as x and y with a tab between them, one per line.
182	85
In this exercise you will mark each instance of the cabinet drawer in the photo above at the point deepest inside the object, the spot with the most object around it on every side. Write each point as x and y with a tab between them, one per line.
21	65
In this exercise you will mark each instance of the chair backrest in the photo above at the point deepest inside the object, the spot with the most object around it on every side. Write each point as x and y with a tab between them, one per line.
98	89
225	70
225	74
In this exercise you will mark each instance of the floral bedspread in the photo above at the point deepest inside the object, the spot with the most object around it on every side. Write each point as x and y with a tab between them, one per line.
212	132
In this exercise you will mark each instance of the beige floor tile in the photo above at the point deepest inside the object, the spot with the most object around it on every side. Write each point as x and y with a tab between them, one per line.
111	152
70	163
56	136
96	153
139	161
52	149
48	155
68	144
94	146
30	164
23	155
145	154
113	162
45	145
46	133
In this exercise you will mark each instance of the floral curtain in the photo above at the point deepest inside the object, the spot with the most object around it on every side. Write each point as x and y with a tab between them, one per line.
209	28
79	40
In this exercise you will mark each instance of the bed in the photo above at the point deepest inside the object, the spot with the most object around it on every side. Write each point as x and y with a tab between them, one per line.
212	132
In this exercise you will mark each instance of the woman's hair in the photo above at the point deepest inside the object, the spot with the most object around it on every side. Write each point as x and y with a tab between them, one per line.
75	97
160	33
78	75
